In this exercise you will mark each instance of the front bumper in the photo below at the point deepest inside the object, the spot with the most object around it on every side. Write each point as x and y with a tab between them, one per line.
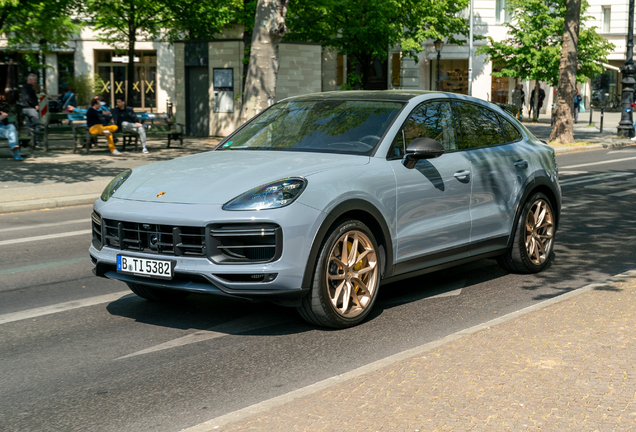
299	224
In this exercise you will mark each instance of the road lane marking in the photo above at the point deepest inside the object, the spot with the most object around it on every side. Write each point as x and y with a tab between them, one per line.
42	266
572	172
293	395
621	151
598	163
46	225
44	237
613	184
241	325
61	307
624	193
593	178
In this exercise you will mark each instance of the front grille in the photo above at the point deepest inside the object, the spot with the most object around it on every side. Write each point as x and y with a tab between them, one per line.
245	243
155	238
96	224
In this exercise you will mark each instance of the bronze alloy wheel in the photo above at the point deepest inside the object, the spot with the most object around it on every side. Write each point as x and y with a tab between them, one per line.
352	273
539	232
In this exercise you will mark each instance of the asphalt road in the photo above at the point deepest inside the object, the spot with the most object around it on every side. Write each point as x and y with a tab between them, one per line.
82	353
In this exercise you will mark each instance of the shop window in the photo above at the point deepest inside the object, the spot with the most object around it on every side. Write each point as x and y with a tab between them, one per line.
499	88
396	61
113	75
453	76
65	70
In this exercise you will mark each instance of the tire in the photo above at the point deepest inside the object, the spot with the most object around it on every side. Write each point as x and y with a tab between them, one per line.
533	242
157	294
344	292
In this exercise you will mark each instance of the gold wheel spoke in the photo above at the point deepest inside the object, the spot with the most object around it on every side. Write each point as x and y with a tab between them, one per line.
354	250
346	296
344	255
365	270
334	300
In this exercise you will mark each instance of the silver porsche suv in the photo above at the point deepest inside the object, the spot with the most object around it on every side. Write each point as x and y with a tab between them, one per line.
321	199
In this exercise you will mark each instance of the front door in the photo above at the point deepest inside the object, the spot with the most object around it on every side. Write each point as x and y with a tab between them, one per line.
198	101
433	198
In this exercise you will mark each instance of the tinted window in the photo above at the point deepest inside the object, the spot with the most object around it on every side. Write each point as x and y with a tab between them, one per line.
331	126
477	126
430	120
510	132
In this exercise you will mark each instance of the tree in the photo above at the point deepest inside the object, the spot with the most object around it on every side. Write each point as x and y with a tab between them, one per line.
260	81
563	127
532	50
38	24
364	30
124	22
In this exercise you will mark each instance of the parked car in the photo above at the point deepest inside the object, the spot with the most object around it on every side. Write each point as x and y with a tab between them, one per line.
320	199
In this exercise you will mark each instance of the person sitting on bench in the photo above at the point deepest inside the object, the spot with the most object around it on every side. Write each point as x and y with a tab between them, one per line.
127	121
10	133
95	127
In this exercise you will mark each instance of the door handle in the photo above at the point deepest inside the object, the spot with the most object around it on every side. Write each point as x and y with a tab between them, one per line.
462	175
521	164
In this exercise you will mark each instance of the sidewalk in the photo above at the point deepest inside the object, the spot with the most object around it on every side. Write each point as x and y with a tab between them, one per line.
566	364
59	178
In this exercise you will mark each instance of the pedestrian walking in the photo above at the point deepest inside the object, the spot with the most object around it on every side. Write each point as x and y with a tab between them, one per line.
127	121
518	98
30	105
10	133
577	105
535	115
95	126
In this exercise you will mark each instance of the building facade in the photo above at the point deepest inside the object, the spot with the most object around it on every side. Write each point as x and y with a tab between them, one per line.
202	80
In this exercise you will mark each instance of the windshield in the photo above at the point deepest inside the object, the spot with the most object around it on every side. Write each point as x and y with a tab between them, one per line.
333	126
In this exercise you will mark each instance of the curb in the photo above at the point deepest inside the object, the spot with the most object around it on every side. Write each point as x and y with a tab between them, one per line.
592	147
277	401
41	204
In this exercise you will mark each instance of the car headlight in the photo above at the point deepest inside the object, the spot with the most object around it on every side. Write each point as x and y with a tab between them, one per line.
270	196
114	184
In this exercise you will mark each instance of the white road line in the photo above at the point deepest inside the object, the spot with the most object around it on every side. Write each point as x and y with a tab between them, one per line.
251	322
577	204
592	178
275	402
624	193
61	307
44	237
565	173
598	163
46	225
621	151
613	184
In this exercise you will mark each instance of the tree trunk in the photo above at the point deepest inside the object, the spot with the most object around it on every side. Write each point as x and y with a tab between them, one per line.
260	83
563	126
130	73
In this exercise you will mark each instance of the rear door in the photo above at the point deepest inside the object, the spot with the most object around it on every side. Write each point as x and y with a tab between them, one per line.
501	166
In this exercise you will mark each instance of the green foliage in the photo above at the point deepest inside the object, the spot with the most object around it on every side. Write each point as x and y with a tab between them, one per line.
532	50
28	22
353	81
200	20
85	87
366	29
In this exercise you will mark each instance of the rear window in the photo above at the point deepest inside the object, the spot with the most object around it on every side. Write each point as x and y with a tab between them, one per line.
334	126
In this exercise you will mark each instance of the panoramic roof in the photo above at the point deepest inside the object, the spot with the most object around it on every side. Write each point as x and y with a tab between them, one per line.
387	95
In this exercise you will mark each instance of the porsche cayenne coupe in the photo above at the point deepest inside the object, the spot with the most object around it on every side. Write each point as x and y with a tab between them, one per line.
321	199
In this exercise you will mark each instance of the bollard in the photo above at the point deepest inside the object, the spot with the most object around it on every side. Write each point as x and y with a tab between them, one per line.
601	131
591	111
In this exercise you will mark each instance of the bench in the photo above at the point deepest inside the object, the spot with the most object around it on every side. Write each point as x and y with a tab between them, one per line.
54	128
83	138
24	140
160	126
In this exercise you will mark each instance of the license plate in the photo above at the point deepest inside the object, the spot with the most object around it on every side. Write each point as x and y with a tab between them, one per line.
144	267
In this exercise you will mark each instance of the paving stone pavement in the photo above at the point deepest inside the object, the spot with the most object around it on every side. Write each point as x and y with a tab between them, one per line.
566	367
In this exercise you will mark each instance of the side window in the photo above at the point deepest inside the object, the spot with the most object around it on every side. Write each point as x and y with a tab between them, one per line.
510	132
431	120
477	126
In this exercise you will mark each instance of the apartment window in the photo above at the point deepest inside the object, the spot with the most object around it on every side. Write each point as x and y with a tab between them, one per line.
502	15
607	17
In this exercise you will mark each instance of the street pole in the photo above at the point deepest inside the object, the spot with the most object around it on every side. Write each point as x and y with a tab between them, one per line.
438	57
626	125
470	52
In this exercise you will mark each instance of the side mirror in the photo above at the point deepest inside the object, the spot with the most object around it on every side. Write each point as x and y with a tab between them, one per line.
422	148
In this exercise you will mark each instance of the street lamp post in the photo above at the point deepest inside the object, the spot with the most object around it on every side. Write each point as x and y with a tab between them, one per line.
438	47
626	125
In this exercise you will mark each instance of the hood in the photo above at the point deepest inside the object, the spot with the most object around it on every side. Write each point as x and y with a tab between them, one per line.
217	177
